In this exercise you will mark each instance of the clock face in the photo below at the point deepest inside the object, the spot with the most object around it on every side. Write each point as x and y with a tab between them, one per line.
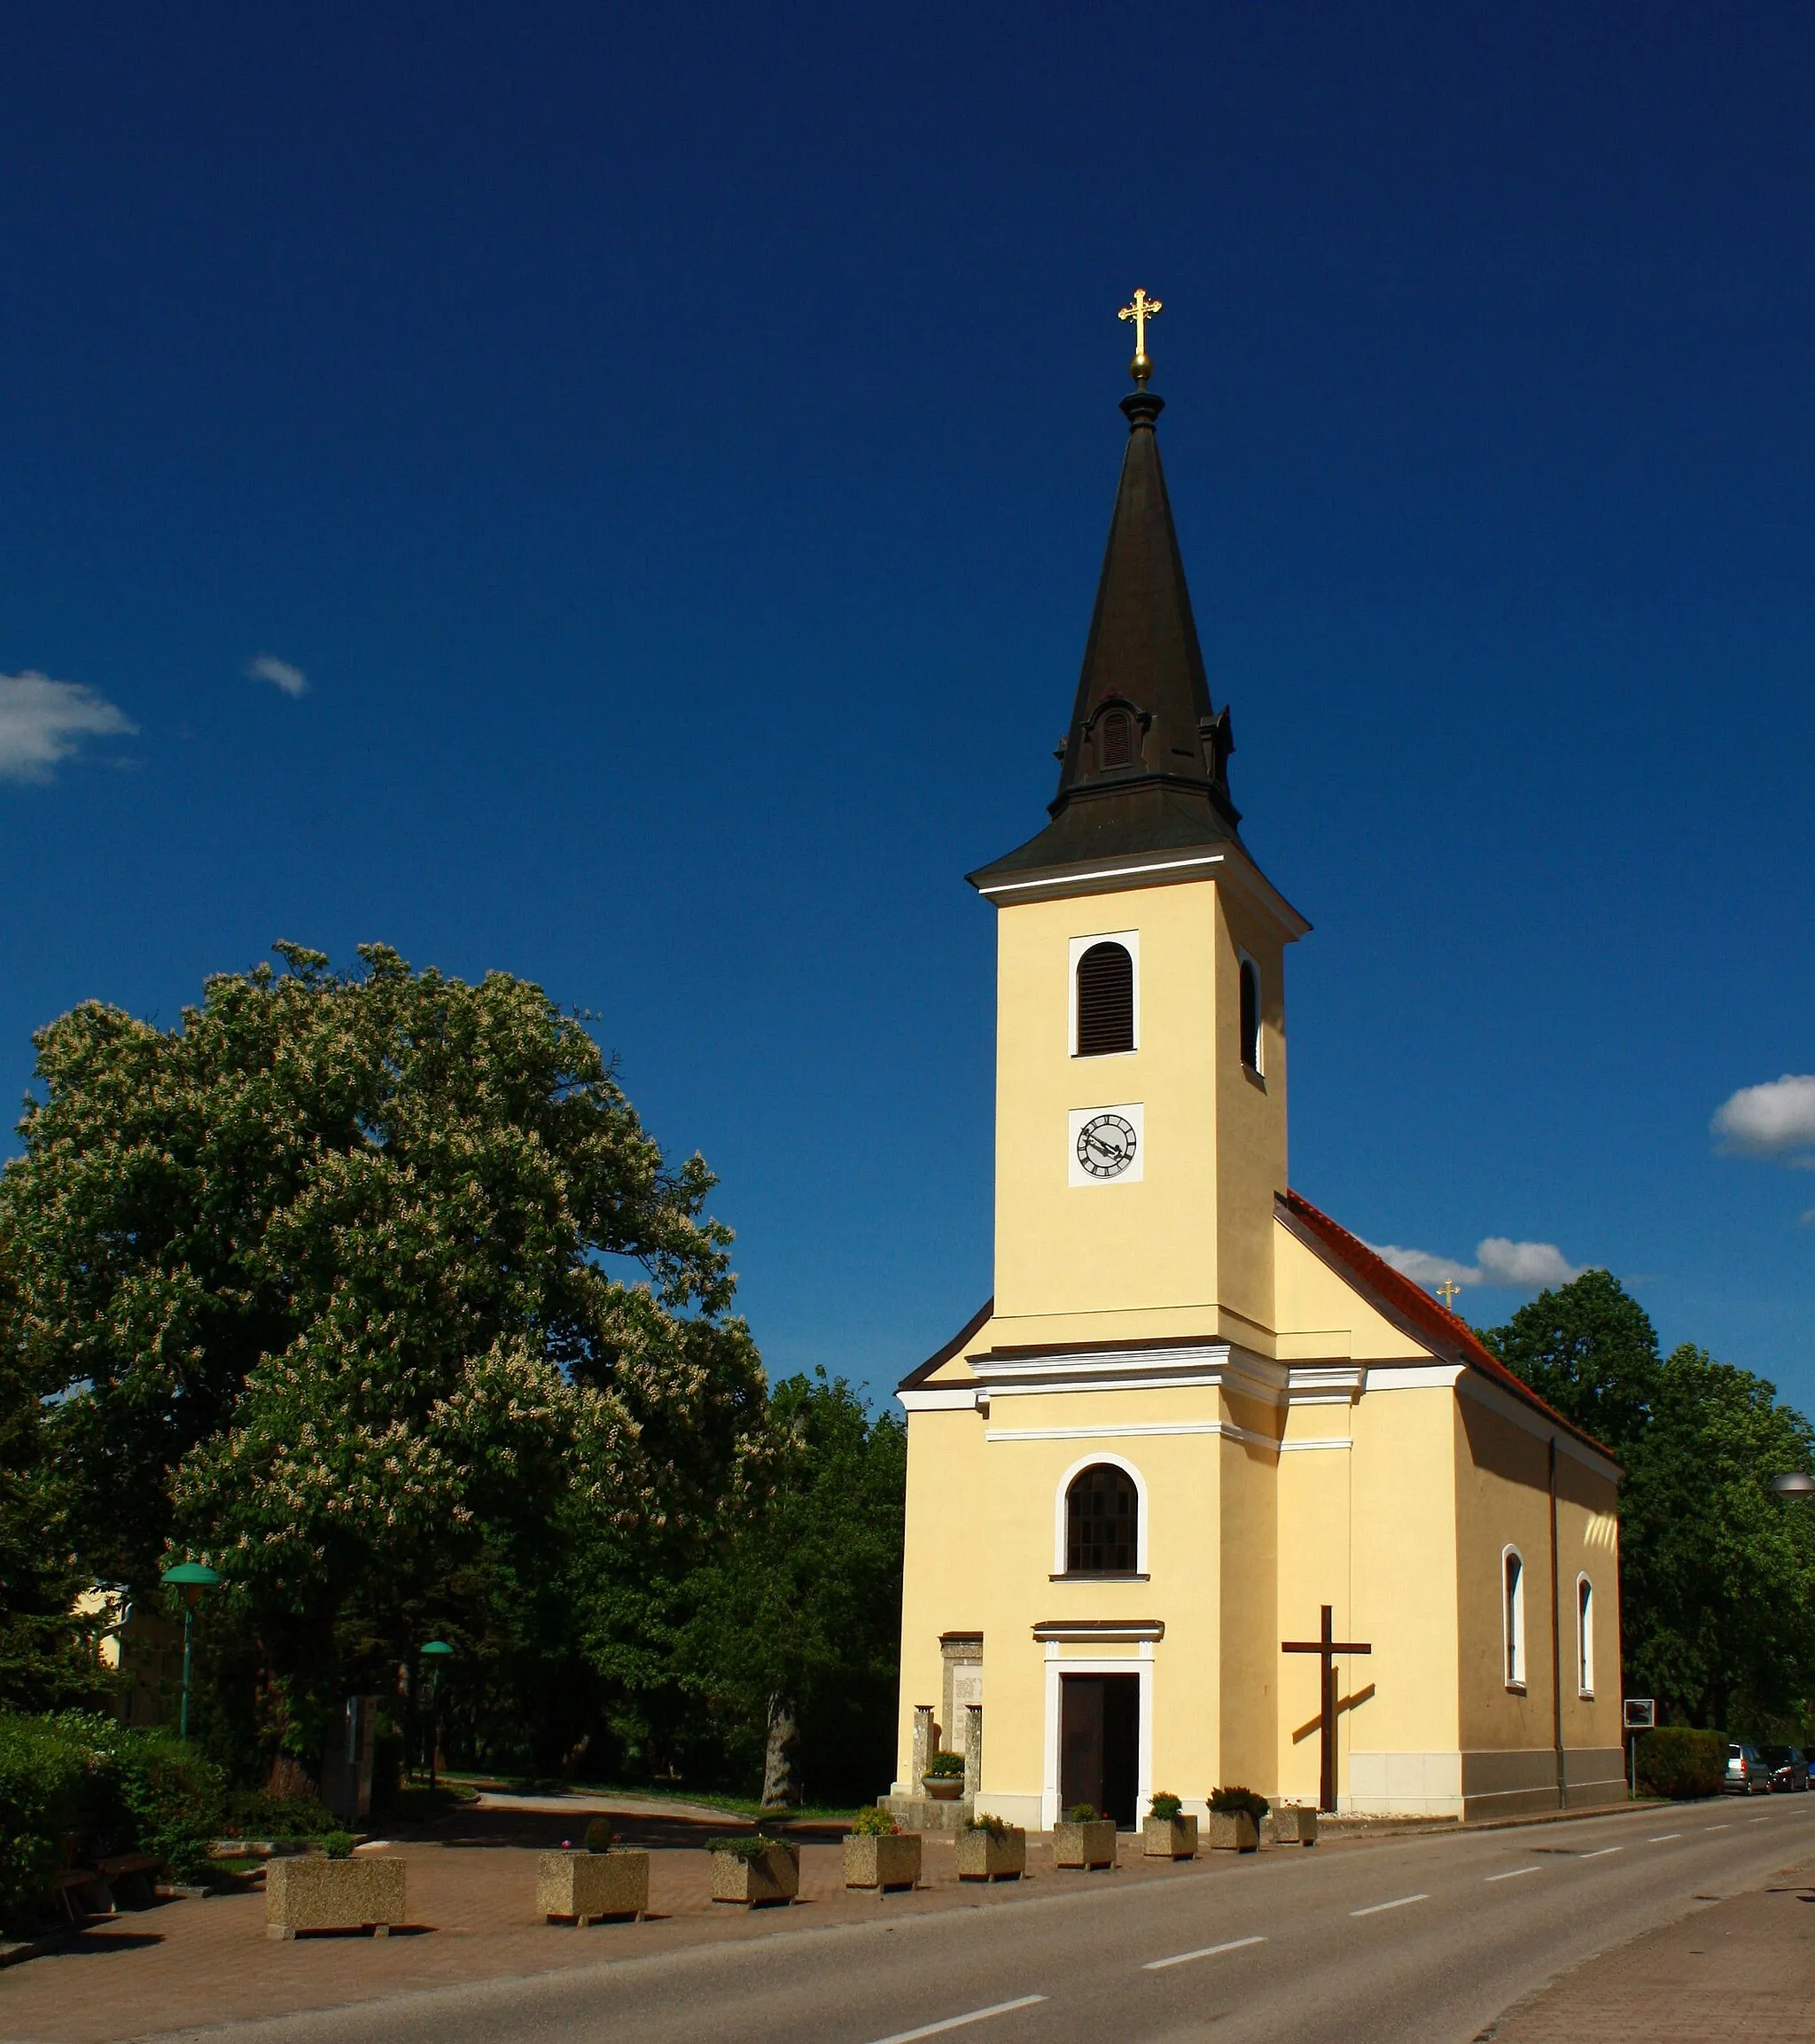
1106	1145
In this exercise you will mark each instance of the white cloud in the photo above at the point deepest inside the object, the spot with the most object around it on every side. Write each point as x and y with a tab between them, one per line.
43	723
1518	1266
1775	1120
279	674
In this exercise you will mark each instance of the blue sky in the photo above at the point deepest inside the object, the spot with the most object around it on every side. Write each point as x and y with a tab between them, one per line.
662	460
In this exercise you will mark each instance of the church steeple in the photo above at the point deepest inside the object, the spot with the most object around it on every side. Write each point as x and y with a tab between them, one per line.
1144	766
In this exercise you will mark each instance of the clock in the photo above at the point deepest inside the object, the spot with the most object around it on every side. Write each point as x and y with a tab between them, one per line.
1106	1145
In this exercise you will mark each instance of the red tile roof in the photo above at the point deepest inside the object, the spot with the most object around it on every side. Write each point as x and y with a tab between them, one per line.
1404	1301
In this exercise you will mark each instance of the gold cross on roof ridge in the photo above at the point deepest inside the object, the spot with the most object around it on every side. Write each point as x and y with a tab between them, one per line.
1140	310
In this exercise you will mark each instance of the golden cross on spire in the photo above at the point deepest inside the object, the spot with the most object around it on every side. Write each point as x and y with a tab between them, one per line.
1449	1288
1141	311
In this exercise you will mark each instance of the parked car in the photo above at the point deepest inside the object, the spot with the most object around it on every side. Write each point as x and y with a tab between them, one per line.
1747	1772
1790	1768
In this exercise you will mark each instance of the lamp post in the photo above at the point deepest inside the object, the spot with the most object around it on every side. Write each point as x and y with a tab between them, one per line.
435	1652
191	1578
1796	1483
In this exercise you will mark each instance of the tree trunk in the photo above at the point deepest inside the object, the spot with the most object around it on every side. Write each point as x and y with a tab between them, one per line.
781	1782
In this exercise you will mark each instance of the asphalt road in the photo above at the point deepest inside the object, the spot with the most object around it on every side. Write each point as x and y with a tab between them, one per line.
1401	1940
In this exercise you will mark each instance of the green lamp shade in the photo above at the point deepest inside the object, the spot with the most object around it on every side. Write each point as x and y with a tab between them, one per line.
197	1575
437	1649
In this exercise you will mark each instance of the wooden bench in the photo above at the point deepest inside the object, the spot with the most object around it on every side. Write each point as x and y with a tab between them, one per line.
74	1881
134	1871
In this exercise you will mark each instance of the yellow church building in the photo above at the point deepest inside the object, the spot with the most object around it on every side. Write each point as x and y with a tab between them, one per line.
1200	1427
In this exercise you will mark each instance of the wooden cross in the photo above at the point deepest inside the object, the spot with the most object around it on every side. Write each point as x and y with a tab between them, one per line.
1449	1288
1328	1647
1141	311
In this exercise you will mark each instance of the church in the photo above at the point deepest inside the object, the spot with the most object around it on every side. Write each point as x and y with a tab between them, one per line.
1206	1494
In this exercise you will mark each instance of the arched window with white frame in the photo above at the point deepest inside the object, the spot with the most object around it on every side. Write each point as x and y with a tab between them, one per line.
1512	1615
1101	1522
1585	1637
1251	1015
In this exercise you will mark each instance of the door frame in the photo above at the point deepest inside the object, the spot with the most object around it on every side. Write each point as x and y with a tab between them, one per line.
1139	1664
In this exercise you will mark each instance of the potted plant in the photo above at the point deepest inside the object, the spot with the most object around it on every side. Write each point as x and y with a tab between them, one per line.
331	1890
587	1887
879	1854
1082	1838
1295	1823
944	1779
755	1869
1235	1817
1168	1834
990	1850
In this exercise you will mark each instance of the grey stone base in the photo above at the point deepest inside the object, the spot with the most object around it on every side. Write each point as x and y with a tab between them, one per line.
922	1813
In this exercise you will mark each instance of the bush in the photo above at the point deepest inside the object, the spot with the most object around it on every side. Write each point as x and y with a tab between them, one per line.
599	1834
1679	1762
874	1822
752	1845
1233	1802
1165	1805
1081	1813
945	1764
337	1844
75	1786
257	1813
997	1827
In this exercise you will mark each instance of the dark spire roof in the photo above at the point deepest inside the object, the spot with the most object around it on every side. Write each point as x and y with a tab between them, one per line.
1145	763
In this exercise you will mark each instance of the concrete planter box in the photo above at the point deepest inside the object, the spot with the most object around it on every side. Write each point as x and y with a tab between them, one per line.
943	1788
1169	1838
590	1886
1090	1844
1234	1831
1294	1824
316	1893
885	1862
982	1857
774	1877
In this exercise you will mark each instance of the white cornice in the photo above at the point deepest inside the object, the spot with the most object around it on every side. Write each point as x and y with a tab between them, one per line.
940	1398
1228	864
1110	1431
1212	1365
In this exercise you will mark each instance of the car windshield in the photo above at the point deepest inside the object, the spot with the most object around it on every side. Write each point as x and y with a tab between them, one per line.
1778	1756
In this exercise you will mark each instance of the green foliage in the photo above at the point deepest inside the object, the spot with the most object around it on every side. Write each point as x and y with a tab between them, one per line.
873	1822
753	1845
944	1766
1165	1806
1081	1813
331	1277
1236	1801
84	1785
1717	1575
1677	1761
798	1597
339	1845
599	1834
997	1827
256	1813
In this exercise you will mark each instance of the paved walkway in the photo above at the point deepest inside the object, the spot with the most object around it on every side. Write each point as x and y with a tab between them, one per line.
1741	1968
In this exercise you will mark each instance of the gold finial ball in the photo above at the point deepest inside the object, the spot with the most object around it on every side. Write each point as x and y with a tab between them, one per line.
1141	367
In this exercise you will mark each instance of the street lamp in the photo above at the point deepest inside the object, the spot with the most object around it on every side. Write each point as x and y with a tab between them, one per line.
435	1652
1797	1483
191	1578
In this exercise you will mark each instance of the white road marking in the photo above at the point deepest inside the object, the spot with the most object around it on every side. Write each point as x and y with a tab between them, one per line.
1398	1903
958	2022
1664	1837
1514	1874
1758	1820
1604	1851
1716	1827
1207	1952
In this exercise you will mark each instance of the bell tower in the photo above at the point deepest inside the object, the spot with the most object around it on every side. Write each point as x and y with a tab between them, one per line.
1140	1046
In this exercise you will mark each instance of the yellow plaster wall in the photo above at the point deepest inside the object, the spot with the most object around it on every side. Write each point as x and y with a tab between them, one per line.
1250	1154
1319	1315
1121	1261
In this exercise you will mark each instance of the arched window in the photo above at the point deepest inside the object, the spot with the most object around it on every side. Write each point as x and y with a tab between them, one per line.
1584	1636
1117	736
1514	1572
1102	1522
1250	1015
1105	1000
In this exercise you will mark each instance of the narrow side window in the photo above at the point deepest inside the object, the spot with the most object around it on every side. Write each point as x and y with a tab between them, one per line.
1514	1581
1251	1015
1584	1636
1105	1000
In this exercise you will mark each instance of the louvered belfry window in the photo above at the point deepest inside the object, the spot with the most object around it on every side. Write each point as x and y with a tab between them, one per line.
1117	739
1102	1522
1105	1000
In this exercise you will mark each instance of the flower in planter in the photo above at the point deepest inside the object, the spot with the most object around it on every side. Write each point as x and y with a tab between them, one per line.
600	1837
337	1844
1165	1806
997	1827
1081	1813
753	1845
944	1764
1239	1802
874	1822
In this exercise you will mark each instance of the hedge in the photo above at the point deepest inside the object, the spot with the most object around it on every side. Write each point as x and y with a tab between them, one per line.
75	1787
1677	1761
